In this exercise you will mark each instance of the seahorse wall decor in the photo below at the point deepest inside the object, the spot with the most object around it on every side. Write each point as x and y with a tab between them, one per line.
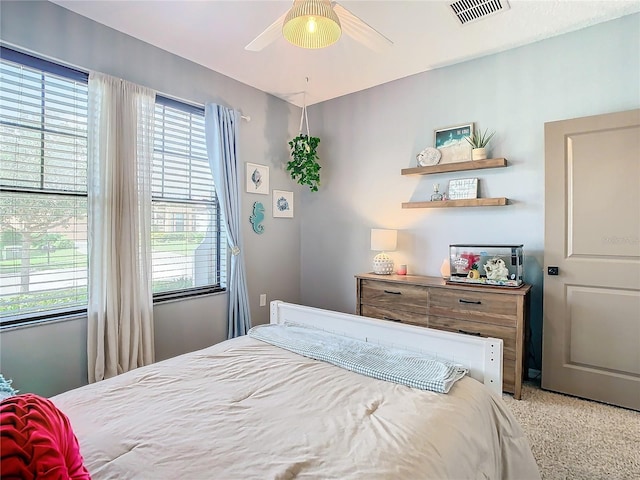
257	218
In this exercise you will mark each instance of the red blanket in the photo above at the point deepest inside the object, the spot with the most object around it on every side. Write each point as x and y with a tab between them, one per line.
36	441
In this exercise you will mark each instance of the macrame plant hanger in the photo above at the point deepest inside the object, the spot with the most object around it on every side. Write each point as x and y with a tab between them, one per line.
303	115
303	165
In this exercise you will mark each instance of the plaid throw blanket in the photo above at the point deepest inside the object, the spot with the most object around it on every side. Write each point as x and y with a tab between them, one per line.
384	363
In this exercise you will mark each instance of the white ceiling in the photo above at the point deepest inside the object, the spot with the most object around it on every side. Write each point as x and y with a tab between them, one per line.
426	35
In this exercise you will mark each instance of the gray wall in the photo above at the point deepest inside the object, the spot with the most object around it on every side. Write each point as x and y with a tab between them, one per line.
368	137
48	359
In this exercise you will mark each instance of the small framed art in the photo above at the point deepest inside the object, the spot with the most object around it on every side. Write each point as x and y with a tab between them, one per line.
463	188
282	204
257	178
452	143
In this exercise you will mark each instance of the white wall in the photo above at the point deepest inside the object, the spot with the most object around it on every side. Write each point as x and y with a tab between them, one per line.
368	137
48	359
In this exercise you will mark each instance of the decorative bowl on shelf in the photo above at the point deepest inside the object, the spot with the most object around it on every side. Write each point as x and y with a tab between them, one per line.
428	157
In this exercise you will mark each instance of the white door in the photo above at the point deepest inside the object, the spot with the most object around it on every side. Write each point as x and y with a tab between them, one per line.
591	325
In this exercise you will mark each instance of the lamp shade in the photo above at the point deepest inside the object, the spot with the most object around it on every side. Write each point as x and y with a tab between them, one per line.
311	24
383	240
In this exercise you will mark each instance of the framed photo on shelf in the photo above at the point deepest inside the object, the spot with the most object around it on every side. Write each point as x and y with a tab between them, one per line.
282	204
452	143
463	188
257	179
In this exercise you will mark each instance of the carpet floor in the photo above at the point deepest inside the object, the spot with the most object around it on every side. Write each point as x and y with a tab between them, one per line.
577	439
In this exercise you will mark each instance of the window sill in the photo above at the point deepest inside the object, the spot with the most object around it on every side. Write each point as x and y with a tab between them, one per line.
178	297
19	325
76	315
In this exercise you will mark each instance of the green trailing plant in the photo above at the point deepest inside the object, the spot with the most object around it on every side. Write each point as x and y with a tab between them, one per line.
479	139
303	166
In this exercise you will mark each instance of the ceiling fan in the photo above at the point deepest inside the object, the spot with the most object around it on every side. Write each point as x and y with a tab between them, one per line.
318	24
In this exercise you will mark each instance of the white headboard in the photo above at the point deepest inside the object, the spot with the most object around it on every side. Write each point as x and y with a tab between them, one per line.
482	356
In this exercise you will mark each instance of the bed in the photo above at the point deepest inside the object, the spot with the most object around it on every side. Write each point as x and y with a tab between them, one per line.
247	409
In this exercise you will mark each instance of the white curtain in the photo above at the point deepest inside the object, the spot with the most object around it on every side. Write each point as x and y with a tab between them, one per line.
221	128
120	151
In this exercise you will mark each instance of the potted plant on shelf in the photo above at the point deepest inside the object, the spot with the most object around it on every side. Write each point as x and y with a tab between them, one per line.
478	142
303	166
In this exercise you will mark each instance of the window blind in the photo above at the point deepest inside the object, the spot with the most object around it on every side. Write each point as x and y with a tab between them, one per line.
43	178
187	251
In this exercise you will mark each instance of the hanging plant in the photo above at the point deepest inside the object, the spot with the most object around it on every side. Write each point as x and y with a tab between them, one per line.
303	166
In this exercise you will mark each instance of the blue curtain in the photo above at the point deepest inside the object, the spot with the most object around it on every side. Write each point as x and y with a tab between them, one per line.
221	126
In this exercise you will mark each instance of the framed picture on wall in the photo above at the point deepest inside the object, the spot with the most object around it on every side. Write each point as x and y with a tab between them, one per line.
257	179
452	143
282	204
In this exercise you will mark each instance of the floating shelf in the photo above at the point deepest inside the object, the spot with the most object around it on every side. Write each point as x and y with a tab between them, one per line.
470	202
456	167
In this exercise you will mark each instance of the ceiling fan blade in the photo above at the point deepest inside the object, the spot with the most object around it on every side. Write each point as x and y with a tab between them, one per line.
270	35
361	31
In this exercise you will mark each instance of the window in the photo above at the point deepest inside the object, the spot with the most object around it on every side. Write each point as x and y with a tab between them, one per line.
43	195
187	253
43	178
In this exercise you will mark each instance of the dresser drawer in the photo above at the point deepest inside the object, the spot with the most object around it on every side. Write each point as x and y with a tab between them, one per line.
410	298
394	315
507	334
494	308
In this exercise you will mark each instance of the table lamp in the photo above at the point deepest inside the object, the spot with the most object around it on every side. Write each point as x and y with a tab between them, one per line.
383	241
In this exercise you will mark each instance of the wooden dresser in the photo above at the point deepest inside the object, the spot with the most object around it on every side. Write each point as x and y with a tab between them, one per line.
475	310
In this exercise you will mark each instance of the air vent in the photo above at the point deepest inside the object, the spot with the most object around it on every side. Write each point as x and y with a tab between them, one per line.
471	10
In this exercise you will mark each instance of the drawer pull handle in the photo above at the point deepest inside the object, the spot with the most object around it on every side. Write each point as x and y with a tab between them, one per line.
391	319
470	333
392	293
477	302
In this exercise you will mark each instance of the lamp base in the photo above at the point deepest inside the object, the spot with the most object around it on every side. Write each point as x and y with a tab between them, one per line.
382	264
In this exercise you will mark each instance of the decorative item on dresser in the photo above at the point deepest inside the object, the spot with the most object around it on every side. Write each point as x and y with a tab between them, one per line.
445	268
474	310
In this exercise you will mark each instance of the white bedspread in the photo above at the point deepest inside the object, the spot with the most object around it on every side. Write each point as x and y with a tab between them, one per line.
244	409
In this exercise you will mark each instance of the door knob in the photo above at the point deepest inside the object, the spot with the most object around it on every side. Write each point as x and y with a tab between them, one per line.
553	270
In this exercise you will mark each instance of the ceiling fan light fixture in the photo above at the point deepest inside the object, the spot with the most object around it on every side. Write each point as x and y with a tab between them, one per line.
311	24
